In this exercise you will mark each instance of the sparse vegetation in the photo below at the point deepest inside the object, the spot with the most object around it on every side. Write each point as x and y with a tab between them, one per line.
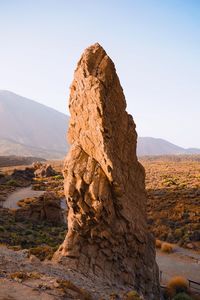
22	276
173	190
182	296
58	177
12	182
43	237
173	217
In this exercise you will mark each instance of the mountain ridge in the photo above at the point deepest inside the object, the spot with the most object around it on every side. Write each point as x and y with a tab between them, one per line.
159	146
29	125
34	129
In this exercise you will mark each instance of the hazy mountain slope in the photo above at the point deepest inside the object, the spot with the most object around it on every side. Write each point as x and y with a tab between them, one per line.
30	128
157	146
193	151
9	147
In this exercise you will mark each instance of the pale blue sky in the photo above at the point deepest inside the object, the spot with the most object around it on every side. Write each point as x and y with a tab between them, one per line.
155	45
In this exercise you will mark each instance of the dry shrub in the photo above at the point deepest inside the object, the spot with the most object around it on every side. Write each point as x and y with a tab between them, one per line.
158	243
34	275
182	296
167	248
19	276
66	285
176	285
22	276
42	252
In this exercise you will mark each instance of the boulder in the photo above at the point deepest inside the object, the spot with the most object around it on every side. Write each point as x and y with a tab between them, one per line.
105	184
23	177
47	207
44	170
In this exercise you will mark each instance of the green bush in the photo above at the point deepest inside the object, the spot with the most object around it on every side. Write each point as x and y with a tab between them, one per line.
182	296
2	229
178	233
12	182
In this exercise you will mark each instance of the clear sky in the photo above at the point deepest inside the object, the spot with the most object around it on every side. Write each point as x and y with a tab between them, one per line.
155	45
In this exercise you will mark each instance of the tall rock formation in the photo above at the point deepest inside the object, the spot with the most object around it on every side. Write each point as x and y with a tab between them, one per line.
104	182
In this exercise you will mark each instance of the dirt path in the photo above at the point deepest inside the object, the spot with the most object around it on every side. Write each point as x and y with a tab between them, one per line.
19	194
182	262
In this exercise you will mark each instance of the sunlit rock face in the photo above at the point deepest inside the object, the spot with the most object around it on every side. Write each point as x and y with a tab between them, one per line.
104	182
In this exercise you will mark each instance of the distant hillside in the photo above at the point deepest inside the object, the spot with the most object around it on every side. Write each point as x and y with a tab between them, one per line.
9	147
6	161
28	128
31	129
155	146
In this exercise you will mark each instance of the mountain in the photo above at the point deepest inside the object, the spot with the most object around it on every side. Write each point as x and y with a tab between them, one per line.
156	146
28	128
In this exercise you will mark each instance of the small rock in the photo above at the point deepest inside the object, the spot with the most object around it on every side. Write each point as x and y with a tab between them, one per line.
190	246
34	259
56	284
44	170
25	253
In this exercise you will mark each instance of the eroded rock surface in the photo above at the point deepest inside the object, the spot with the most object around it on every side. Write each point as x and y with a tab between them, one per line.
44	208
104	183
43	170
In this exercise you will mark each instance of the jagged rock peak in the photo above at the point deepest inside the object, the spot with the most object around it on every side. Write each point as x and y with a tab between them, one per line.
104	183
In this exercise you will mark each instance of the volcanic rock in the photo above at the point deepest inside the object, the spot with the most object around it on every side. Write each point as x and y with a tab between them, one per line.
23	177
47	207
104	183
43	170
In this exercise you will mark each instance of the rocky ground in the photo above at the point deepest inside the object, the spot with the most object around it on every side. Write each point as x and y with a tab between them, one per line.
173	189
38	225
28	243
25	277
27	246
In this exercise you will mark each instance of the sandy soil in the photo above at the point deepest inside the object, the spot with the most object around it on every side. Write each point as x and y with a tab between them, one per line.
45	284
182	262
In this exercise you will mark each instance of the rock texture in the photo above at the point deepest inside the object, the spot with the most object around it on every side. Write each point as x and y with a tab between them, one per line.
104	183
23	177
47	207
43	170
